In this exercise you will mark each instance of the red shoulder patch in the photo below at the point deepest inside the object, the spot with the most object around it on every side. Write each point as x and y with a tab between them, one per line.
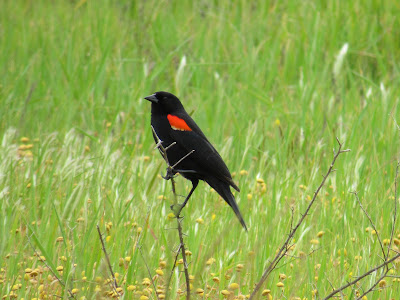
178	123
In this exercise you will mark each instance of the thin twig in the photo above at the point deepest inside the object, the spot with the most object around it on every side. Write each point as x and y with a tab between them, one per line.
173	266
395	209
299	257
160	146
395	193
330	283
372	224
182	244
115	285
60	281
185	264
375	284
384	264
148	270
386	255
179	161
291	217
283	250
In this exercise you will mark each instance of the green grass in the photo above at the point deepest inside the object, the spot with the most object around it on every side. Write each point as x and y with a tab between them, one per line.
258	78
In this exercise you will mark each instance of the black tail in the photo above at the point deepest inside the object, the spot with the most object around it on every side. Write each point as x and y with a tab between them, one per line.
224	190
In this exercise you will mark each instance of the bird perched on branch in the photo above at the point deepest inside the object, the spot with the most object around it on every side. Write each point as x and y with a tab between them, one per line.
191	154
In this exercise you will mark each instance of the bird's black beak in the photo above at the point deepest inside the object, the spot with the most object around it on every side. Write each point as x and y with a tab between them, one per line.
152	98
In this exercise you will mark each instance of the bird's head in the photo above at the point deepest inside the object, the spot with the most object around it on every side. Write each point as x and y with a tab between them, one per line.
164	102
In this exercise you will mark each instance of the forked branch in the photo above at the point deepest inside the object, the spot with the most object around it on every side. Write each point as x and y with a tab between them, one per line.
386	254
373	226
351	283
286	244
170	176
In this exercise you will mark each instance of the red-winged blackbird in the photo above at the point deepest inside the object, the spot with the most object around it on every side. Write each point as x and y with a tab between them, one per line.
173	124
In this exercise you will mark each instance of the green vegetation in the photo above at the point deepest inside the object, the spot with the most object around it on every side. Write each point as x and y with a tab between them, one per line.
76	148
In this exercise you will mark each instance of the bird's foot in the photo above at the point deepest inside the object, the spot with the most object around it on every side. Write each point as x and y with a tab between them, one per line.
170	174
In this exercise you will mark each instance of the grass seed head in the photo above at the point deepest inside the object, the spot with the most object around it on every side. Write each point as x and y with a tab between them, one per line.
382	283
314	242
233	286
282	276
225	293
266	292
239	267
243	172
146	281
200	221
159	272
162	264
210	261
131	288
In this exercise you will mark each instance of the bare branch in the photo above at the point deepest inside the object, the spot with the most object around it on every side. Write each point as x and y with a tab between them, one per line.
103	247
283	250
185	264
372	224
148	270
169	176
179	161
375	284
386	254
172	144
330	283
362	276
173	268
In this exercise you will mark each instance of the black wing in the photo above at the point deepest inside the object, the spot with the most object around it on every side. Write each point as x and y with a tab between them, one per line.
205	155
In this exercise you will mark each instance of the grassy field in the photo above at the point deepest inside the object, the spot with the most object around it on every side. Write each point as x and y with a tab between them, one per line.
271	83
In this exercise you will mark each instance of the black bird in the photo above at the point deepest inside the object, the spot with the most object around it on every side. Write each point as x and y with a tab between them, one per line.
172	124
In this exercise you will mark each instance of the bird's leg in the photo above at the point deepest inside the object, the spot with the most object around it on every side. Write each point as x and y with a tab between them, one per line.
178	207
